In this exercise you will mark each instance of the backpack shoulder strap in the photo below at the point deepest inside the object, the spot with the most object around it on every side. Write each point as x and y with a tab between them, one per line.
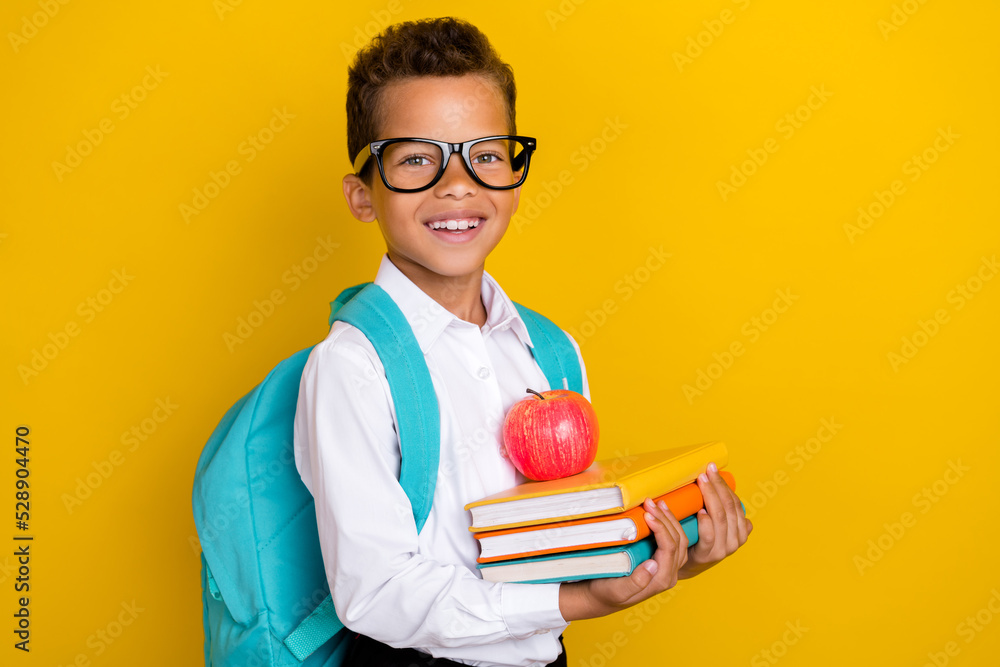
378	317
369	308
553	351
343	298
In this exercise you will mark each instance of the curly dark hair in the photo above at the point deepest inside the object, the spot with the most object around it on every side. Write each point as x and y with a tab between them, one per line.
429	47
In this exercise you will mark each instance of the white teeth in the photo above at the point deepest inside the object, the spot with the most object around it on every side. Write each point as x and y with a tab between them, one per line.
464	223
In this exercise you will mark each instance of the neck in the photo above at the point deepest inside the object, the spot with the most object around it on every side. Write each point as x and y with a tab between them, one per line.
459	295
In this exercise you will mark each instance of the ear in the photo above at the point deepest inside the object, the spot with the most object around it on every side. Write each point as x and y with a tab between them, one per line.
359	199
517	200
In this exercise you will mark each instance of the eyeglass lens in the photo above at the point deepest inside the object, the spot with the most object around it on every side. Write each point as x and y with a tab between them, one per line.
414	164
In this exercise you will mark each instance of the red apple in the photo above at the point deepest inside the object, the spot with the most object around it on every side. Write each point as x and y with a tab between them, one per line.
551	435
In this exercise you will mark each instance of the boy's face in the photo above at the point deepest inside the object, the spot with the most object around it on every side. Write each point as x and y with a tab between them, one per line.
452	109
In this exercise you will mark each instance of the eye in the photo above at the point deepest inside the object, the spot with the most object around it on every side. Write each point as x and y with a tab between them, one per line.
485	157
415	161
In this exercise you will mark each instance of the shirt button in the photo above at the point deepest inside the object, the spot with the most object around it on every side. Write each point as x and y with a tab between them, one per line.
483	373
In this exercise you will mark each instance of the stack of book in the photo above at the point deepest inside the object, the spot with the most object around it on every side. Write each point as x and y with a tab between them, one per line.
590	525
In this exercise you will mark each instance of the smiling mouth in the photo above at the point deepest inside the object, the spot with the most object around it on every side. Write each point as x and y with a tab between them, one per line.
455	225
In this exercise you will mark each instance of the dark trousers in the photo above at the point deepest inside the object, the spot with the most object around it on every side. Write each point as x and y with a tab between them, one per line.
366	652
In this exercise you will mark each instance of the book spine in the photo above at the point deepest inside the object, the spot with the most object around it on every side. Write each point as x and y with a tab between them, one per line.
638	553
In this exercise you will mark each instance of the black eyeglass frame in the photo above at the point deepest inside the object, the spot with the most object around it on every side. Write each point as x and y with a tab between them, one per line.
377	148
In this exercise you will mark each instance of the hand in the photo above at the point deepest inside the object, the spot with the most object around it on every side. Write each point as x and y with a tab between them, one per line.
722	526
598	597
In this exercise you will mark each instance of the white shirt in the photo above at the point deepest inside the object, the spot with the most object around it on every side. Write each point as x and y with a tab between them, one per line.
388	582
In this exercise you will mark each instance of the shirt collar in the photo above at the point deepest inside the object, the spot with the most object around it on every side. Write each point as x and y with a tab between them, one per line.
429	319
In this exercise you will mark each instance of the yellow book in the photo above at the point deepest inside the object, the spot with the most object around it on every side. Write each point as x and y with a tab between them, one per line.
606	487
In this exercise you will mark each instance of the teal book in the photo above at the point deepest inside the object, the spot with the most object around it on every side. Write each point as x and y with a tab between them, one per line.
617	561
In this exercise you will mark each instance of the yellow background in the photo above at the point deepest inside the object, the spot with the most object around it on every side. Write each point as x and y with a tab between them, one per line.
662	133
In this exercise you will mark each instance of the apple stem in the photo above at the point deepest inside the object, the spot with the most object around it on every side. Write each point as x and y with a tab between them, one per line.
532	391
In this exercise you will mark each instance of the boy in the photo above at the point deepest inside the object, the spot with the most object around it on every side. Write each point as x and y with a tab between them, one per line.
416	599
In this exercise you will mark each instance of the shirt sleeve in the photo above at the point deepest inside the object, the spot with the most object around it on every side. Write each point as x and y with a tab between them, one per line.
347	451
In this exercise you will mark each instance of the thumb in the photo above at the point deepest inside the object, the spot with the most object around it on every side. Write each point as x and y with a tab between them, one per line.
643	575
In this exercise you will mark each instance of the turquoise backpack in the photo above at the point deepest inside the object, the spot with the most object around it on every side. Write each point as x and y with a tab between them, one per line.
265	595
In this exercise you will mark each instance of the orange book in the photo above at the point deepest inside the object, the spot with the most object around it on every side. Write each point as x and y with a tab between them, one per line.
601	531
608	486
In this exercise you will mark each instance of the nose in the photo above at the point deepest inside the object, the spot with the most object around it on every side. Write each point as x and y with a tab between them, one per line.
456	180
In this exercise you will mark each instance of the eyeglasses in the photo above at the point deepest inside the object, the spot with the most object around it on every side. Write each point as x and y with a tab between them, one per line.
411	165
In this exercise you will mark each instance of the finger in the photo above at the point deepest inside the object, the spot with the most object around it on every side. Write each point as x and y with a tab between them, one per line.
682	542
709	493
745	525
725	494
673	556
664	533
735	529
745	532
661	513
731	506
706	533
681	556
669	540
716	510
